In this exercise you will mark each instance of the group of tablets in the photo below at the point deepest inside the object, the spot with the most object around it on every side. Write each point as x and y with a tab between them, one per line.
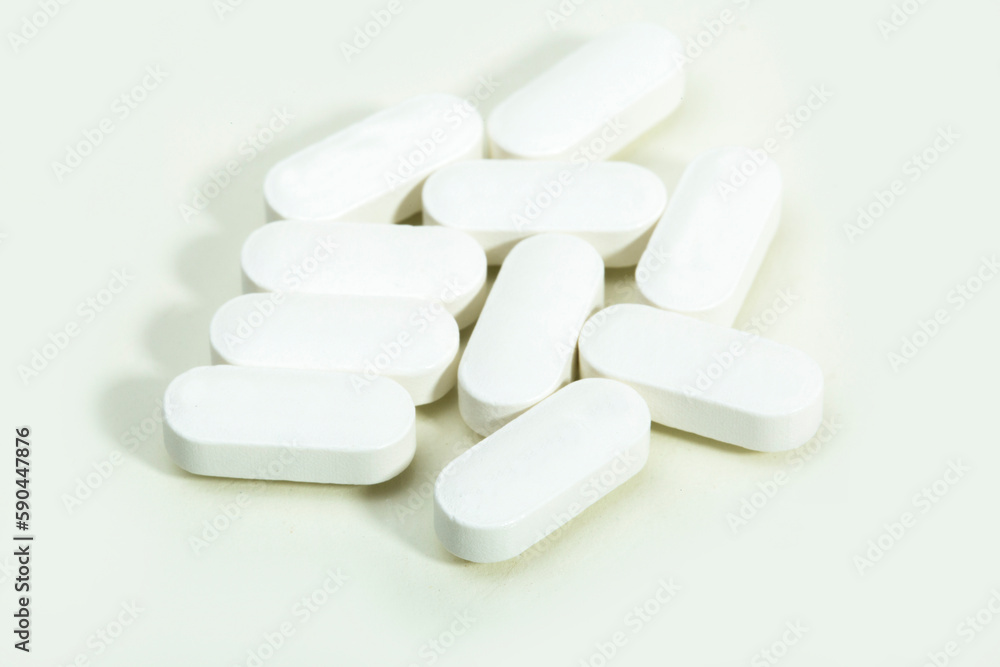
350	321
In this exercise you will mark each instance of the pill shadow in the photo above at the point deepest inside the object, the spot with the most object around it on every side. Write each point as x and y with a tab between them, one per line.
620	286
657	154
613	514
240	208
663	163
702	441
656	149
131	414
404	505
177	339
208	266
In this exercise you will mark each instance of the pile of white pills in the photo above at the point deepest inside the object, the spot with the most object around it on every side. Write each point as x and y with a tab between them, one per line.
349	321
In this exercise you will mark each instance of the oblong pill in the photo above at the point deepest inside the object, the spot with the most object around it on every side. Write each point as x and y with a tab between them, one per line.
523	346
704	254
541	470
411	341
372	171
429	263
717	382
611	205
301	426
595	101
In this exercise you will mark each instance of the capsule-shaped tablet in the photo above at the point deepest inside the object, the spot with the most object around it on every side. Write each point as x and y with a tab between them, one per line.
721	383
523	346
611	205
411	341
429	263
704	254
372	171
275	423
541	470
595	101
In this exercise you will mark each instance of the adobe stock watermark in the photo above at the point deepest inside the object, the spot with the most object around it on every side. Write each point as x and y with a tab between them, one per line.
923	501
365	34
8	568
753	503
248	324
423	493
786	128
304	609
109	633
121	108
247	151
971	627
545	195
779	648
426	147
696	45
724	360
900	15
130	442
957	299
567	345
87	311
434	648
592	489
421	318
601	145
637	618
302	272
913	170
32	24
562	12
223	8
216	526
593	324
711	31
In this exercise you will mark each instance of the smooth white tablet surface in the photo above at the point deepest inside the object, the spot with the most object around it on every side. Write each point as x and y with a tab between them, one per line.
704	254
413	342
372	171
430	263
541	470
611	205
698	377
595	101
523	346
275	423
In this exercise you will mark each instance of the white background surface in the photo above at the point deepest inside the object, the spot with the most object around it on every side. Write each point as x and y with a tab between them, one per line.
793	562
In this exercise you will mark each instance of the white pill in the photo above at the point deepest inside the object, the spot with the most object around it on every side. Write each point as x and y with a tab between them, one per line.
699	377
372	171
704	254
429	263
595	101
541	470
411	341
523	346
274	423
611	205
